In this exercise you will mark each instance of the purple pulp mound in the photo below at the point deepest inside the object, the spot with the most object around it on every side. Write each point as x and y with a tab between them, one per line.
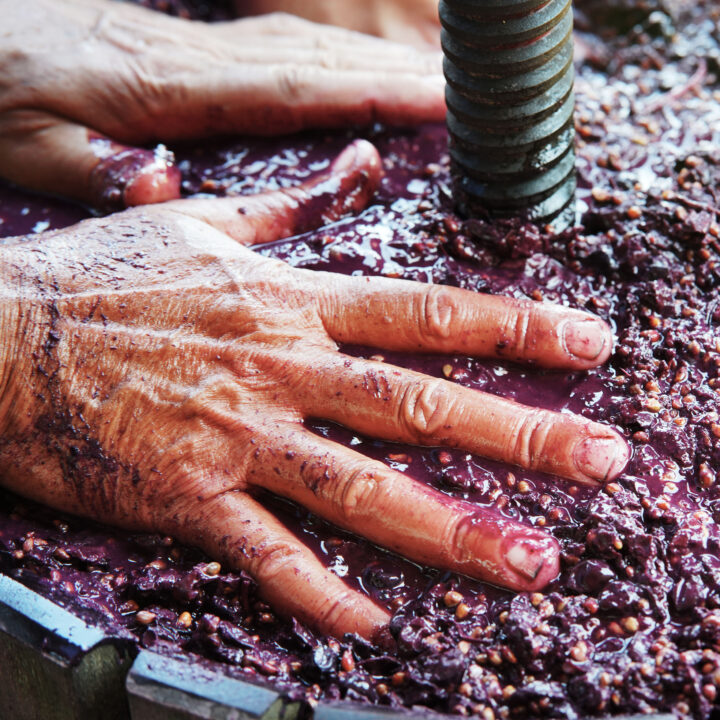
633	621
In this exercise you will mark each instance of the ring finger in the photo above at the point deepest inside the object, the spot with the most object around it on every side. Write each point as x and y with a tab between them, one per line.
401	405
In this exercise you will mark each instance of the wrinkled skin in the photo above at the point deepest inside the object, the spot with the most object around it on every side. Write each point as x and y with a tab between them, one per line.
414	22
155	374
84	82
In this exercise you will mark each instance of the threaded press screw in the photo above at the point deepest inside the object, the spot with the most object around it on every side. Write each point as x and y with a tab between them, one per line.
509	71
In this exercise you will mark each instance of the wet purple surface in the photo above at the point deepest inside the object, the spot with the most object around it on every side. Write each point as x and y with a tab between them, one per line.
633	622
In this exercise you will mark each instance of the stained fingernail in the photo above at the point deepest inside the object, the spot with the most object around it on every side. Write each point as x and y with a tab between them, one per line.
586	339
535	559
524	561
125	176
601	458
153	184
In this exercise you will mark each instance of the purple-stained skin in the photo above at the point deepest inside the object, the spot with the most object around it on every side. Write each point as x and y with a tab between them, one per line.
632	623
126	176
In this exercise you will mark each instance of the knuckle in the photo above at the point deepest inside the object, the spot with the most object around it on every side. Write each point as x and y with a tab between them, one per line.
15	124
438	313
426	408
146	91
529	439
169	495
523	320
273	560
455	538
351	490
291	81
327	59
179	482
219	401
358	491
333	613
517	335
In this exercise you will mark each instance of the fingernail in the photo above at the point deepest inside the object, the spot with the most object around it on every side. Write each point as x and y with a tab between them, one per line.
586	339
602	458
153	185
524	560
132	176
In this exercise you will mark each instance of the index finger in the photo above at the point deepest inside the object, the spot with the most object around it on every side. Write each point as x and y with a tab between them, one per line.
410	316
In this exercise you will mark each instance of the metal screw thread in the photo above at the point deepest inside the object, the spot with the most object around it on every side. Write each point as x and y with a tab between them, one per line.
509	71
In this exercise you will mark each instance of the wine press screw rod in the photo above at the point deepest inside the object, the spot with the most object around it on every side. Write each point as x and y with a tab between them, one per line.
509	71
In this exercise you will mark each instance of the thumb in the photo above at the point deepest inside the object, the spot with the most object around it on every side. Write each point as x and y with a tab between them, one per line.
346	187
51	155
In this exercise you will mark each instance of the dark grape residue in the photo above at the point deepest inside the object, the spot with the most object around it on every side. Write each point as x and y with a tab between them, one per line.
633	622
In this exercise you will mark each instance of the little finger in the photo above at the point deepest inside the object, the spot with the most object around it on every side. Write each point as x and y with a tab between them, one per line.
239	531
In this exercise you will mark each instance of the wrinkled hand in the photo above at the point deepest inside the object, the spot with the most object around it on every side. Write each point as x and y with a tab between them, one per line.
414	22
155	373
84	81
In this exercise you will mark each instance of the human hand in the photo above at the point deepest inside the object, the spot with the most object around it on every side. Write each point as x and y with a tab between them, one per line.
155	374
84	81
414	22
